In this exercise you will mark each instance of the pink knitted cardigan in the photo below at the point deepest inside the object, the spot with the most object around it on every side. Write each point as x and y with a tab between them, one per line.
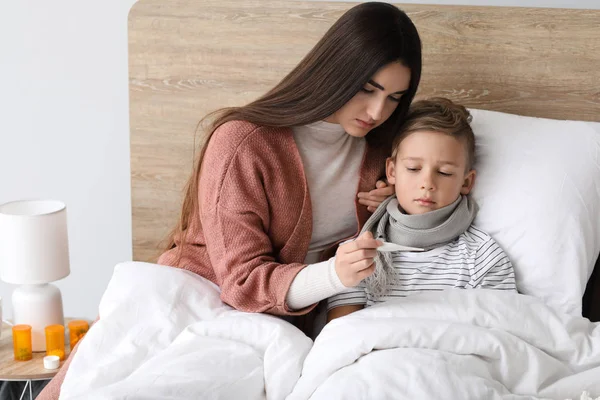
255	220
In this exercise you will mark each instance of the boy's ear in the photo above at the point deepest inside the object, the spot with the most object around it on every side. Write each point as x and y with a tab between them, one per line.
468	182
390	170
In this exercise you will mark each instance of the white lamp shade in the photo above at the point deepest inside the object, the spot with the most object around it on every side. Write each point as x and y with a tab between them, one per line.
34	246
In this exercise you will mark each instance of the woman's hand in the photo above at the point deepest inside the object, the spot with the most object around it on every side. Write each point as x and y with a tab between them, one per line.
354	261
376	196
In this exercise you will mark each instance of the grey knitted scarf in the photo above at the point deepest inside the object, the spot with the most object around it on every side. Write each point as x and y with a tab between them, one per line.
427	231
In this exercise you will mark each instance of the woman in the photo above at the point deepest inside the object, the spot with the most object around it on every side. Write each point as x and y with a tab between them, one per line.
275	188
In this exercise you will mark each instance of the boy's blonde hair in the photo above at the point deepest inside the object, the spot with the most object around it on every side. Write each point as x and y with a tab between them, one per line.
438	114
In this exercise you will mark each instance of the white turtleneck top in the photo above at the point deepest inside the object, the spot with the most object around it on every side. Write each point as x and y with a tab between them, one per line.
331	160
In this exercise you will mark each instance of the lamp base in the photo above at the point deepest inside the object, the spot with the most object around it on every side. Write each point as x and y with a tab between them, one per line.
38	306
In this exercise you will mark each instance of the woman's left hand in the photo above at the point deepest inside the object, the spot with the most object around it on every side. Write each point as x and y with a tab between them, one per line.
376	196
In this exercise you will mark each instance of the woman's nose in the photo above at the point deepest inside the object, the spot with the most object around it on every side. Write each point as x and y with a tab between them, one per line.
375	109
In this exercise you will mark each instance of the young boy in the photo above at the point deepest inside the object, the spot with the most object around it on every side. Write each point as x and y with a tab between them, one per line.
432	169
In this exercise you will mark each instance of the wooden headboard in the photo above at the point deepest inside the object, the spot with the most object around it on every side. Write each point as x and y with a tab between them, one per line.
189	57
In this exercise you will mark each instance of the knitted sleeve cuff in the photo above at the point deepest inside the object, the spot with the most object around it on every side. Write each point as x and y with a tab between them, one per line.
313	284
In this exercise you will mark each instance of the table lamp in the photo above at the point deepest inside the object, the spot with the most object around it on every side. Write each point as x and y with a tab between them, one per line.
34	251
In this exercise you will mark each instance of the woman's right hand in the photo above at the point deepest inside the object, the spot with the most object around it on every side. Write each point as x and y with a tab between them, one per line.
354	261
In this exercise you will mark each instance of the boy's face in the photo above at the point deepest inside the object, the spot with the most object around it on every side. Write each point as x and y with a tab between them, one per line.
429	172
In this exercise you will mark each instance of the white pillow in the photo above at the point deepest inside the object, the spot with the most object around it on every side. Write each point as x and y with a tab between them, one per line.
538	191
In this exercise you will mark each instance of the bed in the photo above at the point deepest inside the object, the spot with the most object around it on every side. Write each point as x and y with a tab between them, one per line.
164	333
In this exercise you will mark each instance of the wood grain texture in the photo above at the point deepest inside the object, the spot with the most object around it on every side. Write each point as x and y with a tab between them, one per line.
191	57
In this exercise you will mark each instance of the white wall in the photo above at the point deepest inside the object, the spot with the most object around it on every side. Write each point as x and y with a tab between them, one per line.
64	130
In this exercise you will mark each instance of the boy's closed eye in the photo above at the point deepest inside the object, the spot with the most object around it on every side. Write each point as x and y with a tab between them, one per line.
443	173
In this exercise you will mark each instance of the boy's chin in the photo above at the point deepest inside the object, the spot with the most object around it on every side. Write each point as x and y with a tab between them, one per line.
413	209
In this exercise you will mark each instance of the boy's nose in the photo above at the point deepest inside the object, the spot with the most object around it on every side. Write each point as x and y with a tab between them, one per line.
428	183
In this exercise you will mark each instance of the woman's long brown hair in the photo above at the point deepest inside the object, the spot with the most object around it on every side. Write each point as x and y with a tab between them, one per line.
363	40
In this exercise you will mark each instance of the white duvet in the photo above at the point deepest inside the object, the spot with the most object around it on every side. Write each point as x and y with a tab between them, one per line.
163	333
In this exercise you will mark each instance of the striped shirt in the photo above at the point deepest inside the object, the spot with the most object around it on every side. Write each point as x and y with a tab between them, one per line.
473	260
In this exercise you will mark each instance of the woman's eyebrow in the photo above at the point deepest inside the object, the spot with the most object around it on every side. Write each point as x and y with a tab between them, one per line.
378	86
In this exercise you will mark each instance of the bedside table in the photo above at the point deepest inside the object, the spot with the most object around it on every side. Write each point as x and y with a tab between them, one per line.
24	371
